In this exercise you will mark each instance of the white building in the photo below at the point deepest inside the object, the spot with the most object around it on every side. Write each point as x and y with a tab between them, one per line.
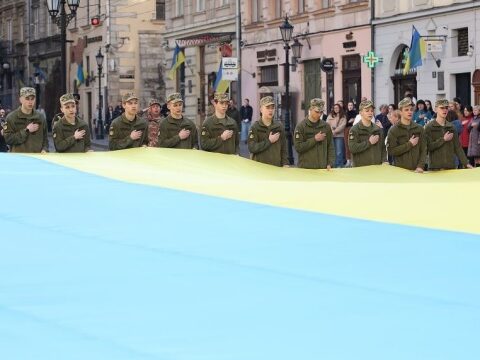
446	73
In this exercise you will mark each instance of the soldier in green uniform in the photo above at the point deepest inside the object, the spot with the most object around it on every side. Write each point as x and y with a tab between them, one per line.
128	130
25	129
219	132
176	131
70	133
314	140
405	140
266	139
442	141
365	139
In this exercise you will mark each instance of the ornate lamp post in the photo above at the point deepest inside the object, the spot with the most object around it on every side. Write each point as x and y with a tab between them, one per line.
59	15
99	57
286	29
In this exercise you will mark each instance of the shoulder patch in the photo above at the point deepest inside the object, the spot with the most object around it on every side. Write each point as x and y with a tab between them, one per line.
297	135
111	132
251	136
5	126
54	135
204	133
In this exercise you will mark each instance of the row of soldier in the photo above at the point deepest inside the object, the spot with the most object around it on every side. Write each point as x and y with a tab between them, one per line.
407	142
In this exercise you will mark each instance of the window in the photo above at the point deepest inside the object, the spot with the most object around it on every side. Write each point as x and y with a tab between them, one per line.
87	6
325	4
10	35
178	7
200	5
462	41
278	9
301	6
160	10
36	23
224	2
21	37
269	75
257	10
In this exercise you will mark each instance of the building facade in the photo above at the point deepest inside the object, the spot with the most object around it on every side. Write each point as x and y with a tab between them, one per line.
205	30
452	31
14	70
337	30
129	37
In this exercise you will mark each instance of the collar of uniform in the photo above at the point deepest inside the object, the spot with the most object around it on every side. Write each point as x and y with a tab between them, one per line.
65	121
372	125
172	120
411	125
22	115
314	124
448	124
220	121
126	121
272	125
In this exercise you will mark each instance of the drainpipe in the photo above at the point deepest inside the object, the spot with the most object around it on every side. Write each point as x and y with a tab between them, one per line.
238	35
372	39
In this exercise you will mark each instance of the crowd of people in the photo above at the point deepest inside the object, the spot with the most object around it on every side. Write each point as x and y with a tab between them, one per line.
413	135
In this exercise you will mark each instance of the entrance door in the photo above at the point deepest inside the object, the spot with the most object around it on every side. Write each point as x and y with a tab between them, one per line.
313	88
352	85
463	86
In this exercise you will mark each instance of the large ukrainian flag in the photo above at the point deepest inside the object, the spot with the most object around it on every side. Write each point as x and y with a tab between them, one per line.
188	255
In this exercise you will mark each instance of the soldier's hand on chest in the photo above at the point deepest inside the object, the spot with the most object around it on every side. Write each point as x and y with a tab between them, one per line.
320	136
136	134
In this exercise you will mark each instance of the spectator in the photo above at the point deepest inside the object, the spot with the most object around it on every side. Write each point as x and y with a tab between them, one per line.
233	112
473	143
350	116
109	116
381	120
3	144
420	116
466	121
338	122
246	113
429	109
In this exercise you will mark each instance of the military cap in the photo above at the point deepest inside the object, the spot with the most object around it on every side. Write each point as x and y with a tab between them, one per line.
365	104
441	102
405	102
153	102
129	96
66	98
267	100
174	98
220	97
318	103
27	91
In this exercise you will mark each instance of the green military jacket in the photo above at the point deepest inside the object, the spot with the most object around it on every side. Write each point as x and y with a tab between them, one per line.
63	137
19	138
314	154
262	149
168	134
364	153
120	130
404	154
210	139
441	153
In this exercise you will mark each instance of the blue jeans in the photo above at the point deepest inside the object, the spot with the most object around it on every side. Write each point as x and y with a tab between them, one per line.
339	143
244	131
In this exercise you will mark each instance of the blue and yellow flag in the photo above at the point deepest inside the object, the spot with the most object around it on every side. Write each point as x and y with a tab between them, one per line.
417	51
221	85
178	59
80	75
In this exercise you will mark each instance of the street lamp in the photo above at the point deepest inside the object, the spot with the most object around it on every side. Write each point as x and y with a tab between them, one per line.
286	29
59	15
99	57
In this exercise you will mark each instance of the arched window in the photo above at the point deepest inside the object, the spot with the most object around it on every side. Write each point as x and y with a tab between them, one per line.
403	83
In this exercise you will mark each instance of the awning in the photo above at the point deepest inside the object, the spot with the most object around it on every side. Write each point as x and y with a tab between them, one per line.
204	39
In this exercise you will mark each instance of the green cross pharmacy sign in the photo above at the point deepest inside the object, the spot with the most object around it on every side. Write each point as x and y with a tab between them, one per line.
371	59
